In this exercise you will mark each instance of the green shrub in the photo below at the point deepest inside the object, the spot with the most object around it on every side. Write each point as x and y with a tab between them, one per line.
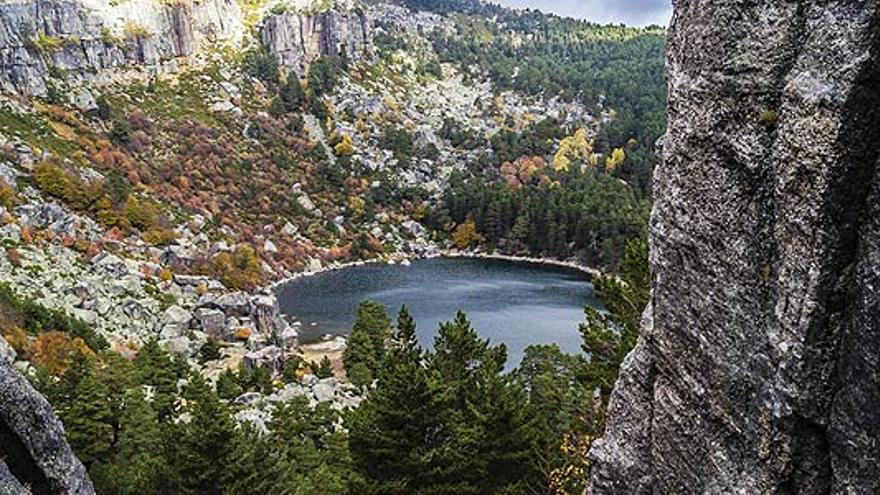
47	44
37	318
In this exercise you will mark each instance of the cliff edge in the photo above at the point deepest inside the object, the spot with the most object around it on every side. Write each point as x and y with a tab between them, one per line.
757	368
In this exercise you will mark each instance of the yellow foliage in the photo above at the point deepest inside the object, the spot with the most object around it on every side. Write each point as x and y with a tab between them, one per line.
166	274
571	477
108	214
63	130
392	105
240	269
612	162
201	289
141	214
8	197
159	236
135	31
18	340
466	234
498	103
345	146
577	147
356	205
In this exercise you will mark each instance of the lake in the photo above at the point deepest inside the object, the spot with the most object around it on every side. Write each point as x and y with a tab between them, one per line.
516	303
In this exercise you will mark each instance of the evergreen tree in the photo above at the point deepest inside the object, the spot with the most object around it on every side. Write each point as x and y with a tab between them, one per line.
325	369
228	386
154	367
406	332
292	94
366	344
88	421
202	451
138	466
393	432
139	432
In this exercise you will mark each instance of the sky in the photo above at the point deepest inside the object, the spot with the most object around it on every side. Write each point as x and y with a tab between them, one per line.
632	12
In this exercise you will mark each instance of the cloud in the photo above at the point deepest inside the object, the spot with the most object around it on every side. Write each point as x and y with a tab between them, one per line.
633	12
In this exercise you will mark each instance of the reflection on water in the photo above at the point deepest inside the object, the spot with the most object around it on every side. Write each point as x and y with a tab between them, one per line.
518	304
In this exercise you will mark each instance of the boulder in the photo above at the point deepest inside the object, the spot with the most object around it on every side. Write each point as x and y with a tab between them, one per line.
413	228
323	392
257	418
270	356
235	304
291	391
289	229
211	321
175	315
181	346
248	398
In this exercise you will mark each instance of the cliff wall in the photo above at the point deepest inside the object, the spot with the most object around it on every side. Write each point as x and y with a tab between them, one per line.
758	367
297	39
88	40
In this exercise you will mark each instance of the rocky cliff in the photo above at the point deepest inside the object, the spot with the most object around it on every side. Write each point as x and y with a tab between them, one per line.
91	40
33	451
297	38
79	39
757	368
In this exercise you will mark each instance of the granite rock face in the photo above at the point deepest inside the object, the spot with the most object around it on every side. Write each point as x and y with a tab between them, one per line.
33	451
758	367
83	38
95	40
297	39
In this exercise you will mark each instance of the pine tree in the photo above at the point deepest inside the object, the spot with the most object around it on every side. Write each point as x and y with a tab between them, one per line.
366	344
406	332
393	432
228	386
202	451
88	421
325	369
373	319
292	94
139	432
154	367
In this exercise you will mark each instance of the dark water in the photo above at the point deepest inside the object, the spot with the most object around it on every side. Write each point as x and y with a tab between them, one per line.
518	304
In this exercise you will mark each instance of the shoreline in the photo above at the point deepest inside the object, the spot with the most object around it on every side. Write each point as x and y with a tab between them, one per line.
399	259
587	270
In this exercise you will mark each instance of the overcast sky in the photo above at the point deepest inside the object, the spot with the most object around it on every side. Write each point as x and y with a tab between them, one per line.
633	12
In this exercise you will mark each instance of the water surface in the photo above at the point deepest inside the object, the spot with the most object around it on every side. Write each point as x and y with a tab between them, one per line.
518	304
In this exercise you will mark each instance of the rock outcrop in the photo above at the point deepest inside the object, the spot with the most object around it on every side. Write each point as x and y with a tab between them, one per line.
82	38
93	40
757	368
297	39
33	451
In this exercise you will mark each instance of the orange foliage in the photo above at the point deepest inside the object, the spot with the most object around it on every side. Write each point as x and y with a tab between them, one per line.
54	351
13	256
27	236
